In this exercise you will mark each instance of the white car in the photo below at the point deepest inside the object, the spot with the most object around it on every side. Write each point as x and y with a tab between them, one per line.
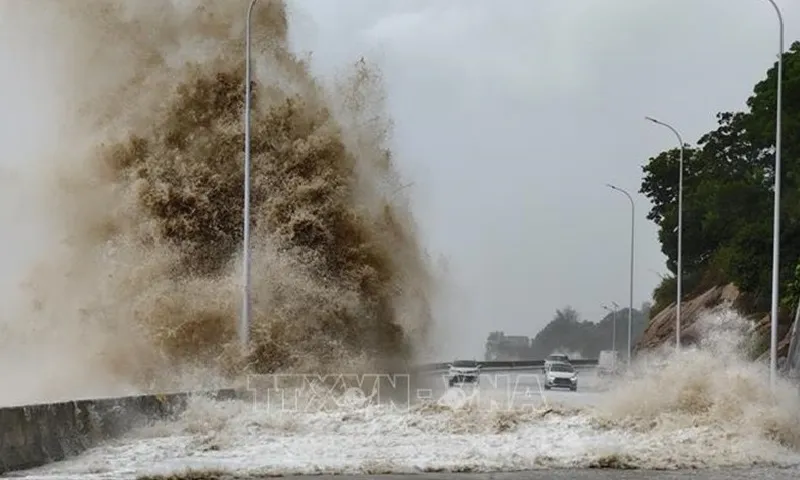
463	371
554	358
561	375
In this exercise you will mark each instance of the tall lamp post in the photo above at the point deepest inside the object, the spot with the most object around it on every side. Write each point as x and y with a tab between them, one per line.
244	321
630	293
776	219
678	274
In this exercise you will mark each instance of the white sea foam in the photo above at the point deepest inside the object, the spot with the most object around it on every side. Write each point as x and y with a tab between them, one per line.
704	407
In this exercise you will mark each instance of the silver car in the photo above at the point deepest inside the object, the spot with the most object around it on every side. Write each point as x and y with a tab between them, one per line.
554	358
464	371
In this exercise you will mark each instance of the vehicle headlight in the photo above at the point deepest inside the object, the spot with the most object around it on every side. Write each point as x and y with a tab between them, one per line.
575	378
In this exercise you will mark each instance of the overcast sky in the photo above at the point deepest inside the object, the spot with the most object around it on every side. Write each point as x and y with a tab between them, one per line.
512	115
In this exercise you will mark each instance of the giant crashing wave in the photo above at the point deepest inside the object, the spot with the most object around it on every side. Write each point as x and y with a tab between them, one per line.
145	199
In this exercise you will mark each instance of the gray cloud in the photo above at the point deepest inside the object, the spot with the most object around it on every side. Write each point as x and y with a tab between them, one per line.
512	115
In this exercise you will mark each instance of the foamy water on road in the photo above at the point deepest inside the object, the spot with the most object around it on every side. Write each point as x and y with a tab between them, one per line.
704	408
506	423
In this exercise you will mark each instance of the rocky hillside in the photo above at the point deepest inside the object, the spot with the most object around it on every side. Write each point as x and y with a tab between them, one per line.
661	329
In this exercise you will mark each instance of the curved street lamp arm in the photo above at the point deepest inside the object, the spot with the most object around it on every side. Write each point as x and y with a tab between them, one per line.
677	134
622	190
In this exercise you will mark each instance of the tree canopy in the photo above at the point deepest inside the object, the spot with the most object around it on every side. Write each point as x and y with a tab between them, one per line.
728	197
567	333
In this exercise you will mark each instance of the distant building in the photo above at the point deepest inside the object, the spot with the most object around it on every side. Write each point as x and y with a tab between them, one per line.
500	346
517	341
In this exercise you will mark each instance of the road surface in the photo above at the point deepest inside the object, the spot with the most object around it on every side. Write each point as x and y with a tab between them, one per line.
507	423
571	474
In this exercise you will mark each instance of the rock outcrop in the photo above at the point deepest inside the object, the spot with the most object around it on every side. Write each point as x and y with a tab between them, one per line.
661	328
762	331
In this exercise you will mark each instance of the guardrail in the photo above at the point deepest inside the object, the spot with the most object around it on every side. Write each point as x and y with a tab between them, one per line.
503	365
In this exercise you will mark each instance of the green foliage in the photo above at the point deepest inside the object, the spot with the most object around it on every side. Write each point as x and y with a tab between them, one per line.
727	199
792	295
664	295
568	333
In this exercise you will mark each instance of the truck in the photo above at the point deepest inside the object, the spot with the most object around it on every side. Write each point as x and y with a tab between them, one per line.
608	363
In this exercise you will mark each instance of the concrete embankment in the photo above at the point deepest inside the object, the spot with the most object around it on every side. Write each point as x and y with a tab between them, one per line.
34	435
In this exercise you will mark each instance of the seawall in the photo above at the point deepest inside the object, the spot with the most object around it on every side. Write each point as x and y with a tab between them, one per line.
34	435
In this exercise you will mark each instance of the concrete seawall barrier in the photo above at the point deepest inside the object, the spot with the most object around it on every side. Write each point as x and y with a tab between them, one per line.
34	435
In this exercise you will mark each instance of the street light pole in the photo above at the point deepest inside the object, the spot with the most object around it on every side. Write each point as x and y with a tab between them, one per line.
630	308
244	322
679	273
614	344
776	218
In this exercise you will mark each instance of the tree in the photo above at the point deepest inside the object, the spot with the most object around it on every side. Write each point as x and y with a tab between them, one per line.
728	184
568	332
566	317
